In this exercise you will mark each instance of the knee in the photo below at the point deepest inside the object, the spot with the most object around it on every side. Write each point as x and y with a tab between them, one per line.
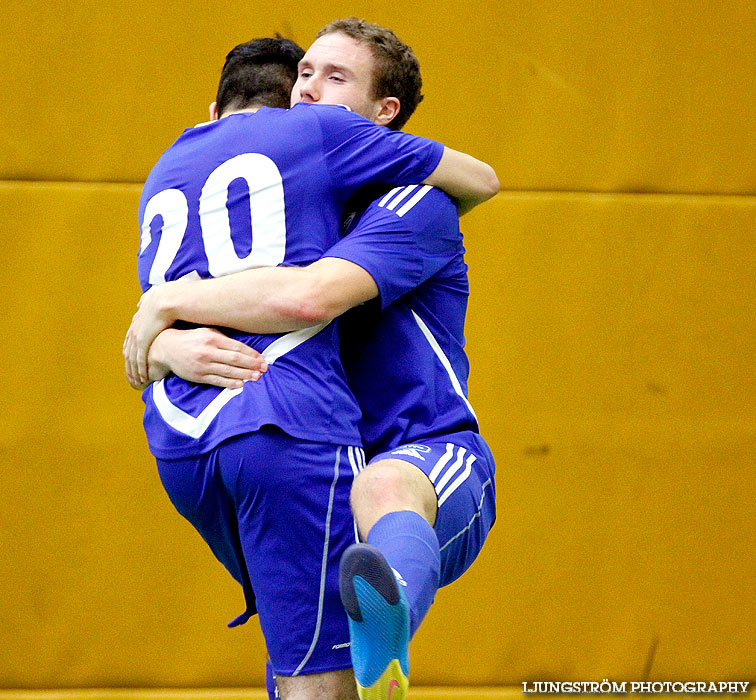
380	482
389	486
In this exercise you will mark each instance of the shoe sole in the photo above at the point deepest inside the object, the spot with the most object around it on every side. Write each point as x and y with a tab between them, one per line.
368	563
366	575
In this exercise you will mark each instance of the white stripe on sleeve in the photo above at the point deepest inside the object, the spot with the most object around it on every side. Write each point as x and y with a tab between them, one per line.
401	196
415	199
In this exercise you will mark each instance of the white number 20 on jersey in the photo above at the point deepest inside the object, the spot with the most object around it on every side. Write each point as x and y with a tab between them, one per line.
267	213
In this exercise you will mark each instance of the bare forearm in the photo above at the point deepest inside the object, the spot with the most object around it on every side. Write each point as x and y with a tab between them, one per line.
265	300
466	179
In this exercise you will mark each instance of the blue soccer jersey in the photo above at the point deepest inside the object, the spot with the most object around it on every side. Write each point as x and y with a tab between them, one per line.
404	356
254	190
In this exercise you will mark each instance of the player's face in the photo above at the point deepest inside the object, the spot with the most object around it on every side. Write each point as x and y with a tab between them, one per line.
337	70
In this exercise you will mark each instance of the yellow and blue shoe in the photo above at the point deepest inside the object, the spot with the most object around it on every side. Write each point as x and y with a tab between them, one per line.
379	624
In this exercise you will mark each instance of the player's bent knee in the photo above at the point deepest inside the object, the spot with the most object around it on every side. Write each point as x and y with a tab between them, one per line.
388	482
388	486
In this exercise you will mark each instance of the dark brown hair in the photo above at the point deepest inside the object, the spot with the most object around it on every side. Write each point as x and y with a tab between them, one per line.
259	73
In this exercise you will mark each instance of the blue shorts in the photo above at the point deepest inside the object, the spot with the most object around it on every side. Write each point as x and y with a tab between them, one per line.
461	468
275	511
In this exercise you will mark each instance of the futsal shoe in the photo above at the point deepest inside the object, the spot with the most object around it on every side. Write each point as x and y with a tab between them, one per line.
379	624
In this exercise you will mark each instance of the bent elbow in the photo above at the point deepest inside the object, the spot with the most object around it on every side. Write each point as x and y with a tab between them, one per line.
492	185
311	300
313	312
307	310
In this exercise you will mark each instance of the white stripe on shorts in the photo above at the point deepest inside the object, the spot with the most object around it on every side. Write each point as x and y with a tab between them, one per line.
441	463
390	194
353	460
472	520
451	471
357	462
443	472
324	563
460	480
356	459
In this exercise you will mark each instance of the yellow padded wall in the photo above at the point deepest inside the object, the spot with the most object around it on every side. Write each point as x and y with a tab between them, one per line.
609	336
652	96
610	343
612	373
103	583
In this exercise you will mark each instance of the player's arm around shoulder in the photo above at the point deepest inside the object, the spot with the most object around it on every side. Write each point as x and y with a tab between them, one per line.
465	178
468	180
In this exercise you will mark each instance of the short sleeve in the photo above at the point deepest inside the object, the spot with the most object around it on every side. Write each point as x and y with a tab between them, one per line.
358	152
403	239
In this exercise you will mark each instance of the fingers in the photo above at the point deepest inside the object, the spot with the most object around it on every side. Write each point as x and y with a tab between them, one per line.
201	355
233	352
127	367
242	360
223	382
221	369
143	371
134	373
131	360
131	375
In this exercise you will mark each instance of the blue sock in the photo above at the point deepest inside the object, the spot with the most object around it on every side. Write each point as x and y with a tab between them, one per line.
410	546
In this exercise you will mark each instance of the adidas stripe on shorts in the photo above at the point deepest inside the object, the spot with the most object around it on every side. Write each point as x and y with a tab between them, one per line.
461	468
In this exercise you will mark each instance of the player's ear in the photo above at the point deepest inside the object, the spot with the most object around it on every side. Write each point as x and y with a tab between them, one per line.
214	112
388	110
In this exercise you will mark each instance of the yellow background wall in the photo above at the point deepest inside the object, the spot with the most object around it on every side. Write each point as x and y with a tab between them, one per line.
610	333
